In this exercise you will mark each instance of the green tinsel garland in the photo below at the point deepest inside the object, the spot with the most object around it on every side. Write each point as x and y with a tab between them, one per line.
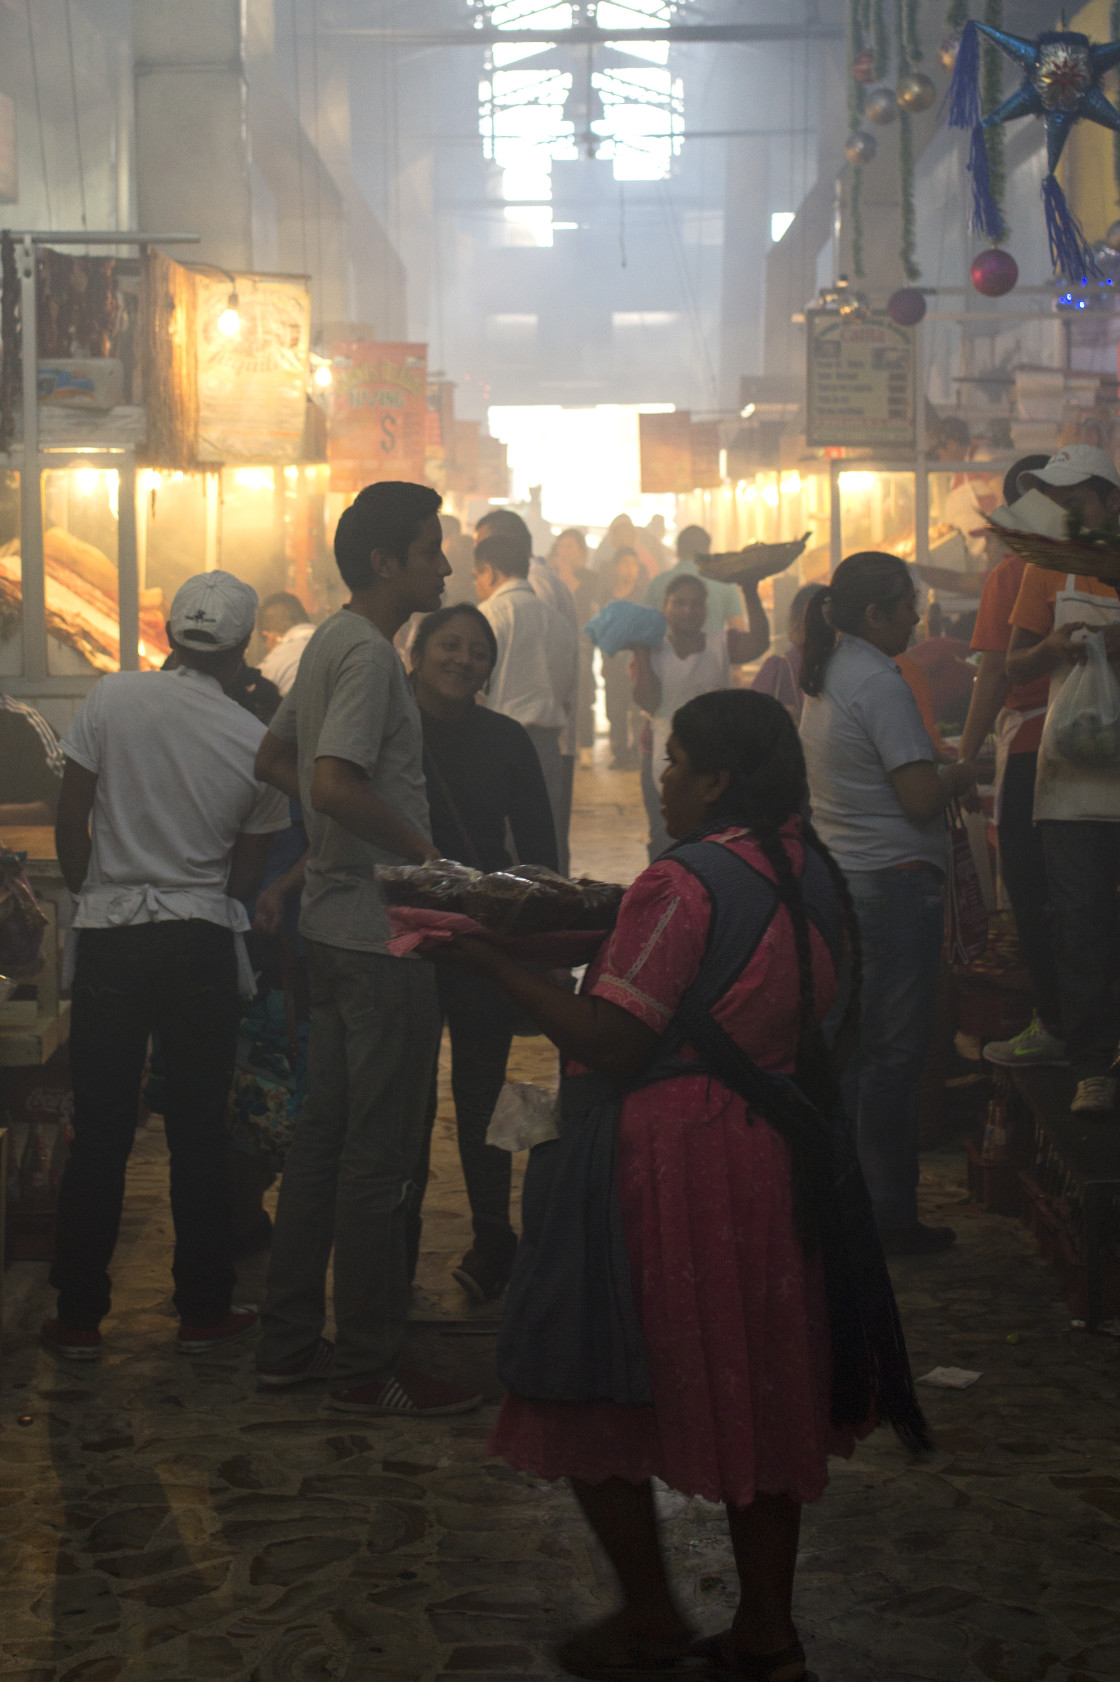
855	217
1114	34
905	26
957	15
858	20
992	93
909	35
880	43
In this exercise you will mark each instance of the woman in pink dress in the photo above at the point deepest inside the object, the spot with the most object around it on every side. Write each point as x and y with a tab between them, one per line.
729	944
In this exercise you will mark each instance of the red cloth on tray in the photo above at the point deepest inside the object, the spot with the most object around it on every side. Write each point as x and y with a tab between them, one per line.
416	930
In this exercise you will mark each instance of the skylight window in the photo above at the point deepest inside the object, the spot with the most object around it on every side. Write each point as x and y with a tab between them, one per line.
620	103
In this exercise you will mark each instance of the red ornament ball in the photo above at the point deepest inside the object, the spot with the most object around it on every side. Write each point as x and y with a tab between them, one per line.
994	272
906	307
863	67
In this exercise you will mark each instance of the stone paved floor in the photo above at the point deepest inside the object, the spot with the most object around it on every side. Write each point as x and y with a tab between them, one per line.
160	1519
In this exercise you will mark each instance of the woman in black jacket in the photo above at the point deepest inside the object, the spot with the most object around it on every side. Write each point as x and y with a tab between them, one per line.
484	786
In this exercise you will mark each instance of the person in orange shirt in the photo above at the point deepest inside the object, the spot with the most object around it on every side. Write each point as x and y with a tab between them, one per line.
1017	713
1077	806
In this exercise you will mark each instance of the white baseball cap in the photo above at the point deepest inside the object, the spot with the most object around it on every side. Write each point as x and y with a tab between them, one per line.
1072	466
213	611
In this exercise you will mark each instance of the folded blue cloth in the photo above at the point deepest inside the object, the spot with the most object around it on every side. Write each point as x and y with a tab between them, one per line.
622	625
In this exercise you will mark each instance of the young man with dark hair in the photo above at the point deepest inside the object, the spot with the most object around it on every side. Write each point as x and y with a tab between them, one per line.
286	629
726	609
1077	806
347	742
162	830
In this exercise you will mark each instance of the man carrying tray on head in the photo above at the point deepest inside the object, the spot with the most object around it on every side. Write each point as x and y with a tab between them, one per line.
1077	806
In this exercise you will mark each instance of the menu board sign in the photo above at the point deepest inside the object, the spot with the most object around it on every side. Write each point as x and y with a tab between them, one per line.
252	384
378	413
861	383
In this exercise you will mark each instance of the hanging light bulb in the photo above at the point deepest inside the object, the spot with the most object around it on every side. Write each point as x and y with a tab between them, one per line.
229	322
322	375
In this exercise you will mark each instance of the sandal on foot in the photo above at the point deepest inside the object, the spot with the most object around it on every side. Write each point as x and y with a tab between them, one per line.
621	1658
725	1659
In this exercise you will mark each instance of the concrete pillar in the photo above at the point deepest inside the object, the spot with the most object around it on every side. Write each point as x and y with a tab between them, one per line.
192	136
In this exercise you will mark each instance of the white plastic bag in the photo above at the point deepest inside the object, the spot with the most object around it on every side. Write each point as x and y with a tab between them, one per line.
524	1116
1084	722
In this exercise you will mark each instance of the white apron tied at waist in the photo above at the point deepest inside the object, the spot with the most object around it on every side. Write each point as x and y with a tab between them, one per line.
114	907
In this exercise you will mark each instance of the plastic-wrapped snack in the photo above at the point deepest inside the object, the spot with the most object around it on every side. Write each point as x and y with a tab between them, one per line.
438	886
504	903
599	903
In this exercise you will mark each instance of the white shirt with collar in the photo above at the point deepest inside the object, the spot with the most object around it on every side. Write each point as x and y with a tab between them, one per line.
550	587
537	672
173	757
281	663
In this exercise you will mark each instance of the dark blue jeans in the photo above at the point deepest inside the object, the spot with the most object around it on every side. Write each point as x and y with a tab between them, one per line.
180	979
901	924
1083	869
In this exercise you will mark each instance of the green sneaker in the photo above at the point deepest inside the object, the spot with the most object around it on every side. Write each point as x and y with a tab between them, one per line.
1035	1047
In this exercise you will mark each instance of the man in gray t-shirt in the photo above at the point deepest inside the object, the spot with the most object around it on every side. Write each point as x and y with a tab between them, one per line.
347	743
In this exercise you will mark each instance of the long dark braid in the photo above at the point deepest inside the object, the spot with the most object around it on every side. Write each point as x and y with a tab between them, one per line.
767	785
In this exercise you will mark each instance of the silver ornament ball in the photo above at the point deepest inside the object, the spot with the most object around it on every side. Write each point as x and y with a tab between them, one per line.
881	106
861	148
915	92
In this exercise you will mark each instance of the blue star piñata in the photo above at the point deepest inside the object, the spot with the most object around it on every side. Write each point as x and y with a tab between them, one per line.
1062	84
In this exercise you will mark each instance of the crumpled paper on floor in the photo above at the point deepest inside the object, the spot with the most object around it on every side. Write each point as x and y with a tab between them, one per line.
950	1378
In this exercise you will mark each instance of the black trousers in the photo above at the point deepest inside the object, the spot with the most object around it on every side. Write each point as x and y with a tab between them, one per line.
179	978
1083	867
480	1022
1023	865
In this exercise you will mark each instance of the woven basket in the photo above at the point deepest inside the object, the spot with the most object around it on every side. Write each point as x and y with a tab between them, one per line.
1057	554
756	561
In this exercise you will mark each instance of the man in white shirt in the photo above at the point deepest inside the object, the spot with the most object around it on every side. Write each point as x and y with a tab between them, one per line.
348	744
551	588
162	830
537	673
285	631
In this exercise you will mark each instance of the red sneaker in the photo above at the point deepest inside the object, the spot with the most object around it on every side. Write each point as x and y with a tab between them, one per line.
408	1392
70	1342
315	1365
198	1340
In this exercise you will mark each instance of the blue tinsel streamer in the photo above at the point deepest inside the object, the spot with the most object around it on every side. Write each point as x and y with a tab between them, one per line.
964	99
1070	251
986	218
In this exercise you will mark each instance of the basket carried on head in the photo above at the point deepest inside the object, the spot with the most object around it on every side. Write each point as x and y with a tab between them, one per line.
752	564
1099	559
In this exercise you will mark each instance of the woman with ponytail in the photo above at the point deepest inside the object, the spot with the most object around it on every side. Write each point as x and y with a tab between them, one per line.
700	1295
879	797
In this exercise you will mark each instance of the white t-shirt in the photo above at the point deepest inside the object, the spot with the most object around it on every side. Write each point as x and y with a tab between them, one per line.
537	673
681	681
281	663
864	725
173	757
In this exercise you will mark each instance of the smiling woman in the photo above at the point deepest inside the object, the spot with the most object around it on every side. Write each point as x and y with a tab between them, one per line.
483	777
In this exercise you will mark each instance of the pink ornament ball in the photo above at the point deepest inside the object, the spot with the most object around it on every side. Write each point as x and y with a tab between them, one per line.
994	272
906	307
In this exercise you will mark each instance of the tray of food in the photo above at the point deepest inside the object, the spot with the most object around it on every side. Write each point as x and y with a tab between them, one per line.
1093	554
520	907
752	564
